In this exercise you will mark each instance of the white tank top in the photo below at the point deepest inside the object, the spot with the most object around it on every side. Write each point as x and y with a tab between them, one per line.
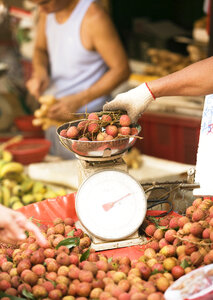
73	68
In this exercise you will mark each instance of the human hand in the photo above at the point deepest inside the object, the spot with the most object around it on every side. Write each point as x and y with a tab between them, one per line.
64	107
37	84
13	225
134	102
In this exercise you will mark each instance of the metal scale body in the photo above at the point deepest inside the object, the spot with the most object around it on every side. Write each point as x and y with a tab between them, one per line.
98	163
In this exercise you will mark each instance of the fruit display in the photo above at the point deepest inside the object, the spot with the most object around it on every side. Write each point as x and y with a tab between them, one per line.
70	269
17	188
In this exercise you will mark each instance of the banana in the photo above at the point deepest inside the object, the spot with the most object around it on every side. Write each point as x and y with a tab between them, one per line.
1	196
17	190
14	199
39	187
28	198
50	194
17	177
27	185
11	167
9	183
38	197
61	192
17	205
7	156
6	196
2	163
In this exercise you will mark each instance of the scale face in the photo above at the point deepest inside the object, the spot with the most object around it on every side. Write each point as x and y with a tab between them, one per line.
111	205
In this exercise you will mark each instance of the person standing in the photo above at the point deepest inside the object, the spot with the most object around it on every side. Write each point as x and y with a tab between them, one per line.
78	57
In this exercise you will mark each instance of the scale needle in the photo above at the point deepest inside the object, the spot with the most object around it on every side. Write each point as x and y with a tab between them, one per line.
109	205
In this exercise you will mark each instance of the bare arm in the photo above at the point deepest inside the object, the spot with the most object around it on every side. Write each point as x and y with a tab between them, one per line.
194	80
40	56
40	78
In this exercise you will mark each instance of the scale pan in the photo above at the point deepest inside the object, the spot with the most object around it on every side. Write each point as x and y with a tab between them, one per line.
96	149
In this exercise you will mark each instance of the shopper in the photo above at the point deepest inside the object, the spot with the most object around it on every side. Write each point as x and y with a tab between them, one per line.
194	80
13	226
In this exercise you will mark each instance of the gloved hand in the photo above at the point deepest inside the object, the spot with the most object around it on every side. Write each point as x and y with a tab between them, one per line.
134	102
13	225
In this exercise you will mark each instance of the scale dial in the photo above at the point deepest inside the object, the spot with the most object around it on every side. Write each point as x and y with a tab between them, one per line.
111	205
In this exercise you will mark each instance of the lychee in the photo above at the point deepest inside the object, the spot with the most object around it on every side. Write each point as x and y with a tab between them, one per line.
170	235
72	132
63	133
63	259
93	127
125	120
93	116
112	130
134	131
39	291
124	130
177	272
82	126
106	118
39	269
182	221
150	229
198	215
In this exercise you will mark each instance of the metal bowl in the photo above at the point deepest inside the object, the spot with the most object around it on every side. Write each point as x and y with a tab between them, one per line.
96	149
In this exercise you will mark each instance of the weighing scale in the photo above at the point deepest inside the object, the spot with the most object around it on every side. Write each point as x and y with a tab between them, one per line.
110	204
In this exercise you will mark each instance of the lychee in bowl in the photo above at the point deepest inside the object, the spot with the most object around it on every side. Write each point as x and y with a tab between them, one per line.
96	149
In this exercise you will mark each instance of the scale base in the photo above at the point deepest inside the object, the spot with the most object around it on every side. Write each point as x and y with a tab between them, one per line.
99	245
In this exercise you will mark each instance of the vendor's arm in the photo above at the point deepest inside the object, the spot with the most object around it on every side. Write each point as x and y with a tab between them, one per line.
194	80
40	78
98	34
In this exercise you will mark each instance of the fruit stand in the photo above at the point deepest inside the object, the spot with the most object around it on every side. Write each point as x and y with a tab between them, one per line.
168	247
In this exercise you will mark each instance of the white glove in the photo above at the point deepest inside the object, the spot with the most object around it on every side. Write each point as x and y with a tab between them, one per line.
134	102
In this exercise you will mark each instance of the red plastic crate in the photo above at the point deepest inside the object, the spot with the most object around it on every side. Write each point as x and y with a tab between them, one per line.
170	136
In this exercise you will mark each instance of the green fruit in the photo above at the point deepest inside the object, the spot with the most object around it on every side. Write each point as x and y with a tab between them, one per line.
27	185
50	194
7	156
28	198
14	199
61	192
17	190
9	183
39	187
11	167
17	205
5	196
38	197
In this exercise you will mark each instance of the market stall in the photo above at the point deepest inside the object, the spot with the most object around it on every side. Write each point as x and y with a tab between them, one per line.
129	214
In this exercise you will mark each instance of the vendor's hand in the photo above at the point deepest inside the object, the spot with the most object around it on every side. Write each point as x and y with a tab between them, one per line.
63	108
13	225
36	85
134	102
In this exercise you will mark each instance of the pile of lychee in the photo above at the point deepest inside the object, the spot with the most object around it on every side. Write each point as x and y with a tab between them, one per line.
69	271
107	126
180	244
60	272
